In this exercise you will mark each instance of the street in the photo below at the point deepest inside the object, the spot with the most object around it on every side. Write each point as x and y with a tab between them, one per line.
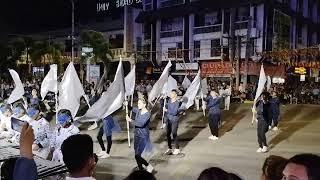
235	151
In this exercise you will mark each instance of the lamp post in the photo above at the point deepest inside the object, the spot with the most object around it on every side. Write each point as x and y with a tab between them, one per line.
72	31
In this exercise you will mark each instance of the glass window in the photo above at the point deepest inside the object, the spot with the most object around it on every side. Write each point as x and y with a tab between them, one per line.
196	49
215	48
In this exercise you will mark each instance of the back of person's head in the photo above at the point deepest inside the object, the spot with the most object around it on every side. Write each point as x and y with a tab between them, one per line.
213	173
7	169
141	174
233	176
308	162
77	151
272	167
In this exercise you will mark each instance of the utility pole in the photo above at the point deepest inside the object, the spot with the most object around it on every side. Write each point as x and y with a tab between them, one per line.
238	61
72	31
232	42
248	52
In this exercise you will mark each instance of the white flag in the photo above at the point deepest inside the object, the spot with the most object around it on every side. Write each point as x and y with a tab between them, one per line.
70	90
204	86
170	85
50	82
186	82
157	87
261	84
18	91
111	100
268	83
130	81
188	97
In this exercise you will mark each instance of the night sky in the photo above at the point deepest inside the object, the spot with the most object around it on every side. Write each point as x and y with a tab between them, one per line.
27	16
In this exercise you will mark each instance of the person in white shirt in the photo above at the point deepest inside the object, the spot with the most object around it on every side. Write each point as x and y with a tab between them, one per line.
78	156
42	132
65	128
227	93
19	112
6	131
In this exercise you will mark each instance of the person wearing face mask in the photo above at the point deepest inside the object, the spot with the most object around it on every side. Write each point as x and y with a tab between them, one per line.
65	128
213	105
263	117
142	143
42	132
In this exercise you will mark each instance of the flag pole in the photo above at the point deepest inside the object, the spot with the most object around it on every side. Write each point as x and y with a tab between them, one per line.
203	109
131	104
164	104
128	127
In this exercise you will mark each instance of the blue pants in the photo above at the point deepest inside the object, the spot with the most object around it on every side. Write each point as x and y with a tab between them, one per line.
214	120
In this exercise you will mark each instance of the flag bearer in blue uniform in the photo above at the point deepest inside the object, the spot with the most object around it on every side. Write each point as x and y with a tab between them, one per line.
173	110
142	143
275	111
110	125
213	105
263	117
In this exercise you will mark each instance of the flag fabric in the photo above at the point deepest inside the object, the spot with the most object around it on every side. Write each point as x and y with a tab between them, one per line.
204	86
70	90
261	84
170	85
18	91
130	81
111	100
50	82
192	91
186	82
268	83
158	86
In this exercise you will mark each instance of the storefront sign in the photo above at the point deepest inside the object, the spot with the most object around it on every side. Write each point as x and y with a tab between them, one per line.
187	66
114	4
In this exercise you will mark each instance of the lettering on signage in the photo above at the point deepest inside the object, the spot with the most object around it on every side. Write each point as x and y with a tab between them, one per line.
118	4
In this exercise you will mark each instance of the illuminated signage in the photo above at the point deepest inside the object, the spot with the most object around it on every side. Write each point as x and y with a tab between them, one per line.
300	70
114	4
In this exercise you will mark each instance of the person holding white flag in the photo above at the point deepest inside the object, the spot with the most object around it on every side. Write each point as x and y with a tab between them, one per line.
50	82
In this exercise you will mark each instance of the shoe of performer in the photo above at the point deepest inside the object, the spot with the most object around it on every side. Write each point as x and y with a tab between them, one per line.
105	156
169	151
176	151
275	128
211	137
102	153
150	168
259	150
264	149
215	138
93	126
270	127
163	126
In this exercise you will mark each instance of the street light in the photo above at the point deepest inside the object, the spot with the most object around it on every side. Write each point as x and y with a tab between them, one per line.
72	31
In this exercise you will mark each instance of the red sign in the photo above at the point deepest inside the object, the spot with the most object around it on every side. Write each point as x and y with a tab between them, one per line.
225	68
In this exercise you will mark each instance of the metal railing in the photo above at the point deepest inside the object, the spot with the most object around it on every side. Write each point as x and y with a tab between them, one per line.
169	3
207	29
244	24
166	34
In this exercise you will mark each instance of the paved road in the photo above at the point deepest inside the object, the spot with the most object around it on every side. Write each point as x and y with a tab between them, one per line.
235	151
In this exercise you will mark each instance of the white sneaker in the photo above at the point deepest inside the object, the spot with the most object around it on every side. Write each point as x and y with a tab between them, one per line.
275	128
176	151
259	150
270	127
264	149
101	153
150	168
211	137
215	138
169	151
163	126
93	126
105	156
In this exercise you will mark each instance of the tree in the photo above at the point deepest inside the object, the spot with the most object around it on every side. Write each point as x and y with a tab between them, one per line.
6	60
101	49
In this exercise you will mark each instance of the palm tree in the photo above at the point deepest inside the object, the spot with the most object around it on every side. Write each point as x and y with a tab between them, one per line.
101	49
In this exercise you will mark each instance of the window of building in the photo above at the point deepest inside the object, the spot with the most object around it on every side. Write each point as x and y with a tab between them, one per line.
243	13
215	48
208	19
196	49
147	5
171	24
147	31
175	52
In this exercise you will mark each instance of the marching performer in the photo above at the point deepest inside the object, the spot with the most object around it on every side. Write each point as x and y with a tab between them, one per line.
110	125
173	109
64	129
263	115
142	141
227	93
42	132
275	111
213	105
6	132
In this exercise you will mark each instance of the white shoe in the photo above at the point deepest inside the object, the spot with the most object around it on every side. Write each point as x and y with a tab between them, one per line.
270	127
101	153
215	138
169	151
259	150
93	126
176	151
163	126
150	168
211	137
105	156
264	149
275	128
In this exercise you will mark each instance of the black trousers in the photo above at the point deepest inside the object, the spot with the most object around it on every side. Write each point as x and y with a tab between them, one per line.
100	140
261	131
214	120
275	118
172	128
141	161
